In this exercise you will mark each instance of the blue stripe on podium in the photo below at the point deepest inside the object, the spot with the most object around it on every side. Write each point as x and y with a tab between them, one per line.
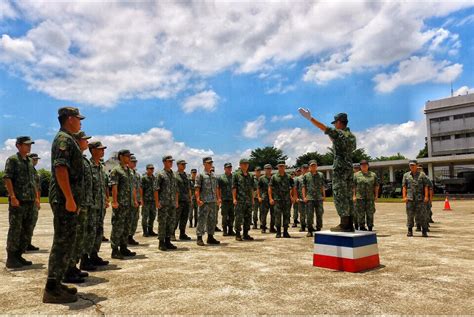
345	241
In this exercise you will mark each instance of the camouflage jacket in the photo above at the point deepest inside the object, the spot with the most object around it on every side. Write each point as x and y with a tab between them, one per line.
225	184
149	188
37	180
344	143
23	177
415	185
66	152
263	183
183	186
167	187
281	186
122	177
299	185
99	185
365	184
192	185
89	193
314	185
137	183
244	185
208	184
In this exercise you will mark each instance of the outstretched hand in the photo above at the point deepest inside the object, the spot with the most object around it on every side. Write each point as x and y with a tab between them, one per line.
305	113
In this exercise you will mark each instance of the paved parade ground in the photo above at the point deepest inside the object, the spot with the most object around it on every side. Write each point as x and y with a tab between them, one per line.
266	276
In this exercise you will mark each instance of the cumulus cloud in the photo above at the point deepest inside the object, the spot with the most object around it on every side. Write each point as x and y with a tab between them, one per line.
464	90
417	70
101	52
41	147
254	129
206	100
282	118
6	10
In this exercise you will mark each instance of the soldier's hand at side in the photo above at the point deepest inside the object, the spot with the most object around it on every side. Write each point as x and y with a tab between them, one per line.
404	199
71	205
426	200
235	202
305	199
376	198
200	202
159	205
142	203
305	113
107	203
14	202
38	204
177	205
354	198
115	205
260	200
136	204
272	202
219	202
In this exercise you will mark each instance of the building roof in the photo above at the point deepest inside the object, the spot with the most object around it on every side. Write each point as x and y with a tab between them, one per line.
450	102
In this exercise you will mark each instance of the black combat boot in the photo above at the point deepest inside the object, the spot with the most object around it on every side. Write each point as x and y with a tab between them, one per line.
238	237
264	229
285	233
303	228
231	231
295	225
255	226
86	264
97	260
424	233
162	245
23	261
126	252
344	226
310	231
31	247
362	227
79	272
278	232
183	236
145	232
199	241
246	236
132	241
410	232
55	294
370	228
224	231
13	262
151	233
71	277
217	229
211	240
169	245
104	239
116	254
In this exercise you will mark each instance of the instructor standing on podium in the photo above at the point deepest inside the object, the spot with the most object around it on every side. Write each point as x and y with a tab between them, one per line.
344	143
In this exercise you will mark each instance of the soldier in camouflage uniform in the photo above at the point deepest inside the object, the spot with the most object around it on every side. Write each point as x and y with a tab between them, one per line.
101	201
207	196
314	194
22	197
281	192
415	195
256	203
123	198
295	176
167	203
182	212
65	195
149	195
34	160
193	212
344	144
355	169
428	205
242	194
366	188
134	211
227	206
262	194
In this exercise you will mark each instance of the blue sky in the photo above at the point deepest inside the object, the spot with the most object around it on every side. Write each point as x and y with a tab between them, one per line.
220	79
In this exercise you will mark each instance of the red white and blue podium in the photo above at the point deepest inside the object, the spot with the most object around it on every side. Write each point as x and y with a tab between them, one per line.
346	251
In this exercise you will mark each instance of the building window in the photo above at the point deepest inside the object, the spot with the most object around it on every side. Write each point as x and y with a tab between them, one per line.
440	119
464	116
460	136
442	138
470	135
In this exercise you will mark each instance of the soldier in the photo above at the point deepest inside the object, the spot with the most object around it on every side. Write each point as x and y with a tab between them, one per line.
193	212
415	195
34	160
256	203
123	198
207	196
65	194
227	206
314	194
428	205
149	195
366	190
262	194
22	197
101	200
217	229
135	210
296	206
242	195
344	144
167	203
185	194
355	169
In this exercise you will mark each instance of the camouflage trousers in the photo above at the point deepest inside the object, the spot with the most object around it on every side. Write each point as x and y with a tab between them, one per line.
256	209
81	231
265	208
134	215
64	239
148	214
93	218
193	212
243	216
21	226
120	226
166	221
182	215
282	210
315	207
207	219
99	229
227	212
416	211
34	220
296	212
342	189
364	211
302	206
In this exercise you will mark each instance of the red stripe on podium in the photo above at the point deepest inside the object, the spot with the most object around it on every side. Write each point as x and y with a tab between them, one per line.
347	265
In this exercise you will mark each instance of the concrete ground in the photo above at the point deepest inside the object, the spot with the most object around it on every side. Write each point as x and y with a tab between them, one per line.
267	276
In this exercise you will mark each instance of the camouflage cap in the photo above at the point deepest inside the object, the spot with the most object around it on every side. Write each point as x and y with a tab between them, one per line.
81	135
420	165
124	152
356	165
227	165
70	112
298	169
96	145
24	140
413	162
207	159
34	156
304	166
148	166
313	162
133	158
281	162
258	168
181	162
364	162
193	170
244	161
340	117
167	158
268	166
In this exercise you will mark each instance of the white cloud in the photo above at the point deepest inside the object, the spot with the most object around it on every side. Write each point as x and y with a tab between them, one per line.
282	118
35	125
464	90
417	70
6	10
254	129
41	147
206	100
102	52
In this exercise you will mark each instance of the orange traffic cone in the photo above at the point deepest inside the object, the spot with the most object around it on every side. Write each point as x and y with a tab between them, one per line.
447	206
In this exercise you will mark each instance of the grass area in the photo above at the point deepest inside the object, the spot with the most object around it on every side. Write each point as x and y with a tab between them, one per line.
4	200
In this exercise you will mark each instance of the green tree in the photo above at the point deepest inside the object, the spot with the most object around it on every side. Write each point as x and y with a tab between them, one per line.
266	155
359	155
45	178
396	157
423	152
305	158
3	189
